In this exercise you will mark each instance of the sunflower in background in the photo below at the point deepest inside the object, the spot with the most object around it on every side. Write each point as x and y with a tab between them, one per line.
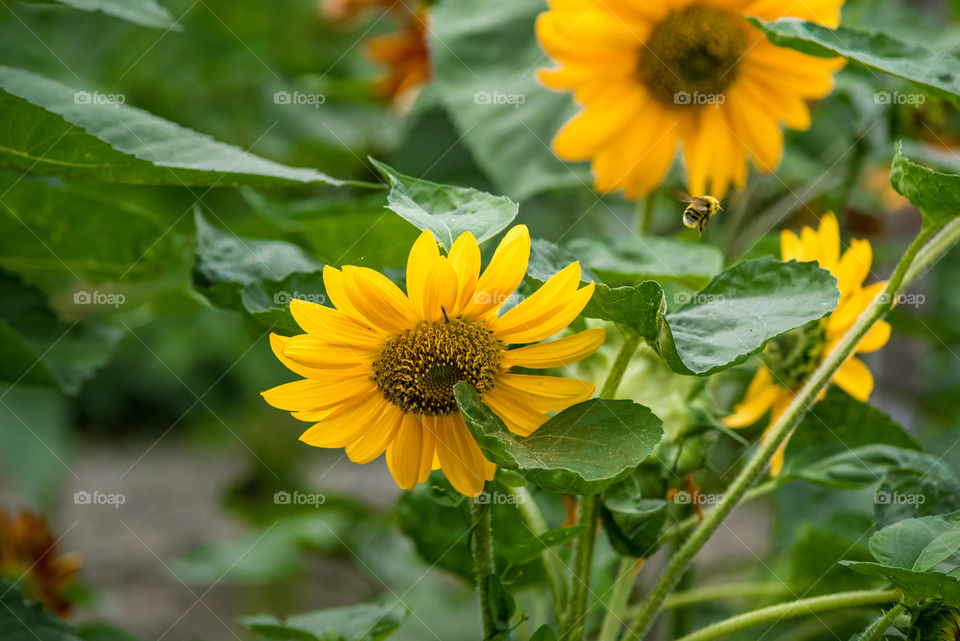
654	74
790	358
403	53
381	364
28	556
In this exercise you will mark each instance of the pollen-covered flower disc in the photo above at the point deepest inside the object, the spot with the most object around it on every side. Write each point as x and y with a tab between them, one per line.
652	75
790	358
380	367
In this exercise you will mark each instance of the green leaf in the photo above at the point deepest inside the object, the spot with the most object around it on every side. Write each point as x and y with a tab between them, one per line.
367	622
845	443
633	523
527	550
544	633
143	12
920	556
546	259
445	210
258	277
922	488
50	231
935	193
935	72
582	450
102	632
506	117
728	320
61	131
38	348
22	620
629	259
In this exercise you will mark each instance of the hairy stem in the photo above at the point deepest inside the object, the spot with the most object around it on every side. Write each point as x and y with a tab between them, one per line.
792	609
482	551
616	607
877	629
778	433
694	596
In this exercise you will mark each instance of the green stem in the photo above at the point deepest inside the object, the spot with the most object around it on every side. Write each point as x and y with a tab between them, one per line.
616	607
793	609
582	566
725	591
590	509
879	627
937	246
482	550
778	433
532	516
645	213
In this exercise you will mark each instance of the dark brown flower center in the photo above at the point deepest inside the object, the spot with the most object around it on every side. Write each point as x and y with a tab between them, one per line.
693	56
417	370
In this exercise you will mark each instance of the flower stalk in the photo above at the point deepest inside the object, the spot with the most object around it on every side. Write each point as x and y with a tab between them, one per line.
785	424
482	550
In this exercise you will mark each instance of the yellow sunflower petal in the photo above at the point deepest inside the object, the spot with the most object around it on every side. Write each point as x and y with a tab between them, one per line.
829	240
520	415
607	114
855	379
343	429
310	394
562	351
279	343
850	308
546	393
419	263
337	292
460	458
753	407
308	350
854	266
789	246
333	325
374	442
465	258
379	300
440	292
502	275
410	453
825	12
756	129
876	338
542	305
549	327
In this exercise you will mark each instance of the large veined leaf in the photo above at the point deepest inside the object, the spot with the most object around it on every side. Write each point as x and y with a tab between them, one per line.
57	130
37	348
920	556
143	12
935	193
445	210
582	450
935	72
842	442
367	622
728	320
52	231
626	260
505	116
22	620
255	276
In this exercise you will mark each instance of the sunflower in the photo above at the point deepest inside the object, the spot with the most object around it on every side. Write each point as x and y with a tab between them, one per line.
790	358
28	556
651	74
380	367
405	56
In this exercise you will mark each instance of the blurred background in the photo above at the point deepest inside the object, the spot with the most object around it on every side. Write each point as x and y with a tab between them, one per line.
158	463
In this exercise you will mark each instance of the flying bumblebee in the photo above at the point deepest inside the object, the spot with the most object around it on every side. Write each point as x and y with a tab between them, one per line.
699	210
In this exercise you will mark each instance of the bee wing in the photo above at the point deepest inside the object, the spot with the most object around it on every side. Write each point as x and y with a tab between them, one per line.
700	205
681	195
